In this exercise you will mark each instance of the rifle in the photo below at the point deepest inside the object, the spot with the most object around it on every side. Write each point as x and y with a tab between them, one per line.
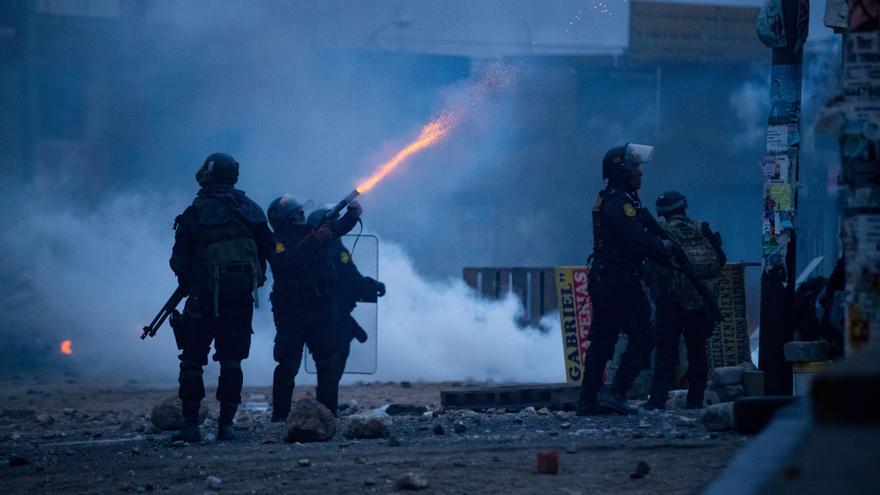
683	263
167	310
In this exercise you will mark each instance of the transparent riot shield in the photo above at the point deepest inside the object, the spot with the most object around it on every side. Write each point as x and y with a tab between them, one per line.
363	357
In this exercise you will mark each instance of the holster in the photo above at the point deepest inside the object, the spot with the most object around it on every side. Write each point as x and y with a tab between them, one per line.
179	325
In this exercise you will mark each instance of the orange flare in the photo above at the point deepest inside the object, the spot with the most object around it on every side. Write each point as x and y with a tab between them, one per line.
66	347
431	134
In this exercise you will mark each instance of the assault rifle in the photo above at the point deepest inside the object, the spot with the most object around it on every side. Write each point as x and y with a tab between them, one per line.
167	310
682	263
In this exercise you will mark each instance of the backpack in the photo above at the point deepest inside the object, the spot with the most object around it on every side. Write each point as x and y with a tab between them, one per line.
704	260
229	257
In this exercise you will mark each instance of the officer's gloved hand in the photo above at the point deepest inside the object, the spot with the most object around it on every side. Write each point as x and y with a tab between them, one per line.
181	283
380	289
356	209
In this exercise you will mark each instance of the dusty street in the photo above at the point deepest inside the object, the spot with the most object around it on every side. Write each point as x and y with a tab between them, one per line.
65	436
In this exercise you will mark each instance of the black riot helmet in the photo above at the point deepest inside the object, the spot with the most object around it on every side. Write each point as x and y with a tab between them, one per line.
624	158
671	202
219	168
286	211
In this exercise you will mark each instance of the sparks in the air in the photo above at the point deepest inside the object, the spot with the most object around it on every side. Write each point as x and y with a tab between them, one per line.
496	77
66	347
432	133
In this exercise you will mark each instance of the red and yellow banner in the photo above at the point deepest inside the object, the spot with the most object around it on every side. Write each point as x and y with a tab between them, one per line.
575	317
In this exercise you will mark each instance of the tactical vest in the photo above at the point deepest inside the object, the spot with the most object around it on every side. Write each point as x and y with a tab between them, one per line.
703	258
226	261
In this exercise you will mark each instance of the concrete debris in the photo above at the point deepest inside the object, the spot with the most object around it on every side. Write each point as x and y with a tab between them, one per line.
753	383
360	428
677	399
807	352
393	441
304	463
411	481
310	421
405	410
214	482
438	429
459	427
727	375
685	421
728	393
642	470
167	415
543	411
548	462
718	417
45	419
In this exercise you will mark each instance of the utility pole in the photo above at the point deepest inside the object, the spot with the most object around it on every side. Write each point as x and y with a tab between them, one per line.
783	27
860	155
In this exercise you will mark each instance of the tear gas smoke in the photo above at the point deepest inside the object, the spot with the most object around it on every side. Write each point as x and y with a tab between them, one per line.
429	330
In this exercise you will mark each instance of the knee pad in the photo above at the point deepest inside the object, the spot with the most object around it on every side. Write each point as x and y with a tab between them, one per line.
190	370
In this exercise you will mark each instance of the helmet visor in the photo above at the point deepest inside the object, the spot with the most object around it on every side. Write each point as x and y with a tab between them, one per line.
636	154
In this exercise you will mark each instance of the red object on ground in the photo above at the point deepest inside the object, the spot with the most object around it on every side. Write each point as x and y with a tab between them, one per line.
548	462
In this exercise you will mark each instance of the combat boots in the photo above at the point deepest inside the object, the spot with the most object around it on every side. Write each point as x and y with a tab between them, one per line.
615	403
589	408
189	433
225	432
652	405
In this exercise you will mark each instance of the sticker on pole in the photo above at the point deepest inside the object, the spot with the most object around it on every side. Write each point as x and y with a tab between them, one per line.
357	299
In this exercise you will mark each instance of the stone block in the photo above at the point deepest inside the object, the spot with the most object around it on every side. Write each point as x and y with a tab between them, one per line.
806	352
753	383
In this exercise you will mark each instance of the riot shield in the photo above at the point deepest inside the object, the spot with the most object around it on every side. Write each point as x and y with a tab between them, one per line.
363	357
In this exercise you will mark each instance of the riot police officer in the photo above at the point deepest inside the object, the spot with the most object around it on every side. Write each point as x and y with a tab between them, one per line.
303	301
680	310
621	243
221	245
352	287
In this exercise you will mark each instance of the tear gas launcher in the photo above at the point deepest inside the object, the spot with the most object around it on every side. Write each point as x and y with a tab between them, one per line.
682	263
169	309
334	212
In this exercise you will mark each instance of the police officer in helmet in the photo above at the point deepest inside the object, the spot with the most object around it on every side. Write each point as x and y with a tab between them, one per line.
680	310
304	302
352	287
221	245
621	244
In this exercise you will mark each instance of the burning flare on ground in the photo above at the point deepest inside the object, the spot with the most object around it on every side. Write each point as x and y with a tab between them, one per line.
66	347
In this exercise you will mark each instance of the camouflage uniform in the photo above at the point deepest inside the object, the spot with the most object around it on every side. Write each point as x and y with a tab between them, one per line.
680	311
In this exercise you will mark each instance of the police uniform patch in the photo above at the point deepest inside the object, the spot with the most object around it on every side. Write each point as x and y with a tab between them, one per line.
279	248
629	210
344	257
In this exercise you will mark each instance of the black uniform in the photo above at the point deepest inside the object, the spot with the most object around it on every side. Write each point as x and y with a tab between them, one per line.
352	288
620	245
303	305
218	213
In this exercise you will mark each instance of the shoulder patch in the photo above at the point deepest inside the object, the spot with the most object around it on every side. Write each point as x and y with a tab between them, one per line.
279	248
598	204
344	257
629	210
